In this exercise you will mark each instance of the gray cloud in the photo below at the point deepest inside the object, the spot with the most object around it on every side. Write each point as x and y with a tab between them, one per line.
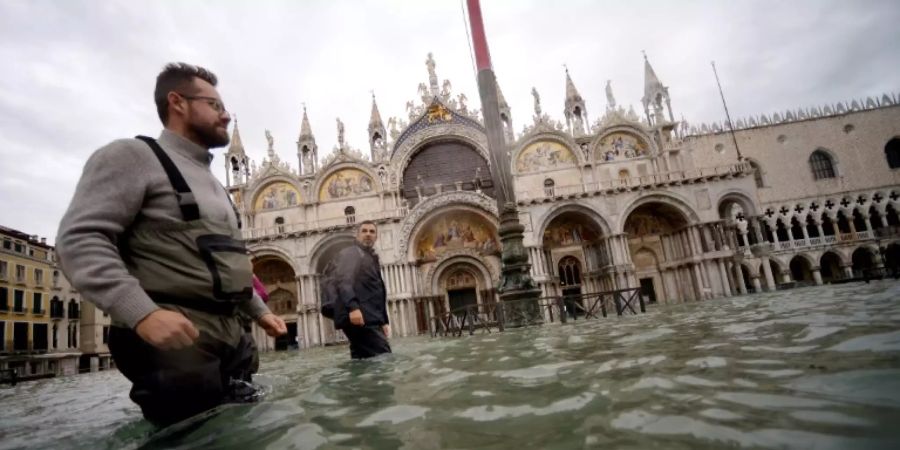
81	73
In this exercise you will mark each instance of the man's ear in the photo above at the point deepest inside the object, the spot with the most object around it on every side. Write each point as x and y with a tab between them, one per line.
177	104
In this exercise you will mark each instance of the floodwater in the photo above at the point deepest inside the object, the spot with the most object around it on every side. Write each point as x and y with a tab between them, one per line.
804	368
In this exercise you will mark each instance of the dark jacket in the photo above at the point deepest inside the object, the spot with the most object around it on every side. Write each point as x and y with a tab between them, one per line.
360	287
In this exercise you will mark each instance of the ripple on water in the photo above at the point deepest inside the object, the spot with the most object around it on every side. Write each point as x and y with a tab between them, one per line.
394	415
645	336
830	418
536	372
615	364
488	413
884	342
708	362
871	387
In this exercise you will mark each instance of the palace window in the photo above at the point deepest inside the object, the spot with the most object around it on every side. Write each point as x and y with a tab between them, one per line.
37	303
18	301
822	165
569	271
892	152
4	299
38	277
279	224
4	270
549	185
20	273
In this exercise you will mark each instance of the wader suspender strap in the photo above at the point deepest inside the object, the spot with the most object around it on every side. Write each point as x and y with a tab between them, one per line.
186	202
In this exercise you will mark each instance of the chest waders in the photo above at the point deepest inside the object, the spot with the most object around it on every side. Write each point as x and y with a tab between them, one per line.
200	268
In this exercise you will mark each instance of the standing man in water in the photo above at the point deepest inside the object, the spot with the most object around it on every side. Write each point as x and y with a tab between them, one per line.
361	311
151	238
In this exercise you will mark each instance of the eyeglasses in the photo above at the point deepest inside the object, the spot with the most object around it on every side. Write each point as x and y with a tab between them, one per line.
213	102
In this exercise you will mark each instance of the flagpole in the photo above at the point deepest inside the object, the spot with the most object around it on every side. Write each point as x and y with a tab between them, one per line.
517	290
727	115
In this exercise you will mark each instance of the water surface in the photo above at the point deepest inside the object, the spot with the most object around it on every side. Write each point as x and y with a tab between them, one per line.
805	368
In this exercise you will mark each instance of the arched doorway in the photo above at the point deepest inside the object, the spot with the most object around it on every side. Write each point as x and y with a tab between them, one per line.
569	269
830	264
801	270
573	241
656	234
892	260
281	283
863	263
460	281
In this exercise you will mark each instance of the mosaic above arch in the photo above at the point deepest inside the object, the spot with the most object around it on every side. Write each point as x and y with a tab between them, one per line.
543	155
346	183
567	231
620	145
453	230
277	195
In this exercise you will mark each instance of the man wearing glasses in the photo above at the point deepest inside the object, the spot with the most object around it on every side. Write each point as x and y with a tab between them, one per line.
151	238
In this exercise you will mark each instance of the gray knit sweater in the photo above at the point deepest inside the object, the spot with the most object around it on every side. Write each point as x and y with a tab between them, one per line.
124	183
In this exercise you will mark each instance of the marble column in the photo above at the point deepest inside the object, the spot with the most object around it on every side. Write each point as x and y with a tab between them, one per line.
723	275
767	272
757	286
817	276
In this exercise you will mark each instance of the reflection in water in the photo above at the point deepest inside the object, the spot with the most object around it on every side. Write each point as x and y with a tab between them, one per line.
806	368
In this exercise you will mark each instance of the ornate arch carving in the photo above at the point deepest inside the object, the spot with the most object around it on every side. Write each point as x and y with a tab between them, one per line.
463	255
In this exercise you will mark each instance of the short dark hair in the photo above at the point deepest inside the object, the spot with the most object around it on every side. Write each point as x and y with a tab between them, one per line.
177	77
366	222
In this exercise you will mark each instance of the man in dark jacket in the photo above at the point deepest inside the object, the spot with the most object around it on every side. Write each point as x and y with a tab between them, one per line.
362	313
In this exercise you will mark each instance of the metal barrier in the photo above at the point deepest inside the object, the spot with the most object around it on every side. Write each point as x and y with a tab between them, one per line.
497	315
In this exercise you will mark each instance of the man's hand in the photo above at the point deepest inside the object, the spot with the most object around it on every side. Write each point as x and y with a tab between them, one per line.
273	325
167	330
356	318
386	329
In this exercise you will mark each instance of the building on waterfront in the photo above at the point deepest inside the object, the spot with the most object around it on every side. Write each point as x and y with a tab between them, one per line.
39	312
632	198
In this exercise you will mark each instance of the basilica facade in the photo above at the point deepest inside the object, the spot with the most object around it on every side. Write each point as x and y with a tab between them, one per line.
633	199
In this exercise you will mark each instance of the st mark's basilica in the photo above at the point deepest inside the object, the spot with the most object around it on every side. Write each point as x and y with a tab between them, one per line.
636	198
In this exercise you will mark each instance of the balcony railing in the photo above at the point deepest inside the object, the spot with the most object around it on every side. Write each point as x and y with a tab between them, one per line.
321	224
824	240
654	180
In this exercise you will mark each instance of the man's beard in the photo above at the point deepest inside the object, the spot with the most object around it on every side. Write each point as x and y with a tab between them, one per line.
209	135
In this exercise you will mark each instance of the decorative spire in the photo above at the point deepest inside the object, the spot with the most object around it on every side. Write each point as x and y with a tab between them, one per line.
375	118
610	99
572	94
576	111
307	150
651	82
236	144
305	129
377	134
236	168
654	96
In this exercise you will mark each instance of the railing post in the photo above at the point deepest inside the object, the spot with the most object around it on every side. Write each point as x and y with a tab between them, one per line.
641	300
617	298
560	303
501	316
471	321
603	304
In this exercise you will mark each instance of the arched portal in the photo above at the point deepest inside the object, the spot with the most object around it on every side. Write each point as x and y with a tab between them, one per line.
460	282
830	264
863	262
656	235
801	270
569	270
573	241
279	279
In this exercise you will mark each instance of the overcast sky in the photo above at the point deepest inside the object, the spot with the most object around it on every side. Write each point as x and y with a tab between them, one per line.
78	74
